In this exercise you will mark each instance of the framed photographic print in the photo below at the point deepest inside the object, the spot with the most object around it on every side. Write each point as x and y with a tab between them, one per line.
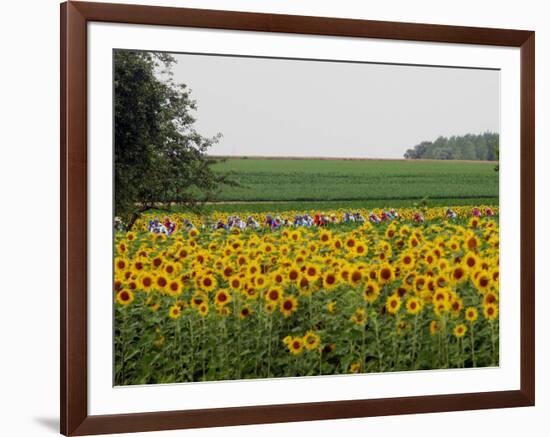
273	218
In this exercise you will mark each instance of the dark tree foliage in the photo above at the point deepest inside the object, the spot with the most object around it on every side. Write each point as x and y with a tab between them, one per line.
483	147
159	157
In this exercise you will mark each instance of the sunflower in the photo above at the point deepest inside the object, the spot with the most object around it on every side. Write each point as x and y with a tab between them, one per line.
295	236
132	284
121	264
157	261
312	271
495	274
325	237
329	280
460	330
458	274
471	242
456	304
122	247
207	282
345	272
430	259
359	317
483	282
251	292
278	278
268	248
442	307
138	265
222	298
274	295
183	254
174	288
393	303
413	305
350	243
198	299
296	345
259	281
490	298
253	268
371	291
331	307
441	296
236	283
288	306
490	311
391	232
125	297
311	340
153	306
420	283
203	309
305	286
361	249
174	312
355	367
356	276
293	273
245	312
337	244
441	281
386	273
470	314
407	260
471	261
435	327
170	268
161	281
145	281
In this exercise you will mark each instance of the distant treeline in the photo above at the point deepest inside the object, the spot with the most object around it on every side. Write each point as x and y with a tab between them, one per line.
483	147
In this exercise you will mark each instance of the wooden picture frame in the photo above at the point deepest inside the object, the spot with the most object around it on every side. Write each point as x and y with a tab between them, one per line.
74	188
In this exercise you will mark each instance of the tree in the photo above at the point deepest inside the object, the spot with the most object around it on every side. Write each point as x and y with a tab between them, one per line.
469	146
159	157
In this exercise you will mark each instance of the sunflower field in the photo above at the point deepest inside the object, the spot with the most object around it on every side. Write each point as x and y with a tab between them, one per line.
204	304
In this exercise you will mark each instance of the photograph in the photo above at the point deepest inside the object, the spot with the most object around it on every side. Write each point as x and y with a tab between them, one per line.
288	217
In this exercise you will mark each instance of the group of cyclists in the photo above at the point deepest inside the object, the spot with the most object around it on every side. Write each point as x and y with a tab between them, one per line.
168	227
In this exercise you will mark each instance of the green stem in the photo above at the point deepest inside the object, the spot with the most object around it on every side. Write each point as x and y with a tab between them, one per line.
493	348
269	346
123	336
472	345
439	350
446	343
203	332
191	334
235	312
362	349
413	359
177	344
378	346
396	344
310	310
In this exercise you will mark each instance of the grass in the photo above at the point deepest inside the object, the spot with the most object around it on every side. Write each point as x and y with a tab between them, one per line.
367	183
277	207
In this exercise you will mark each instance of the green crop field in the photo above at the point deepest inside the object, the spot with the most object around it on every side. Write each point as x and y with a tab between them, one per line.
370	183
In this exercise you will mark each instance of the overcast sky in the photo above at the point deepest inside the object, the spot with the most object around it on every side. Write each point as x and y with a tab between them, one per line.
275	107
